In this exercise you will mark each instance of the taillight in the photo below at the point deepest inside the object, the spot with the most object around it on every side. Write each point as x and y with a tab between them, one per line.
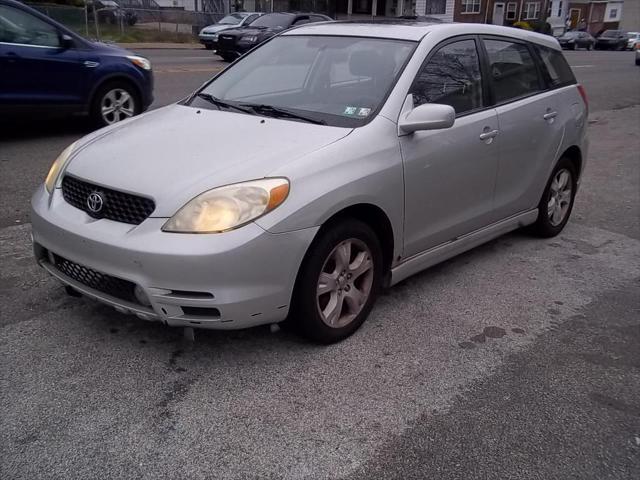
583	94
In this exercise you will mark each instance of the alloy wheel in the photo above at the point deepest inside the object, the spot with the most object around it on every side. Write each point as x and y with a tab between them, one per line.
560	195
345	283
117	105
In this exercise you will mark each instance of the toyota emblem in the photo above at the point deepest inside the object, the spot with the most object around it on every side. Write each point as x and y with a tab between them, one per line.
95	202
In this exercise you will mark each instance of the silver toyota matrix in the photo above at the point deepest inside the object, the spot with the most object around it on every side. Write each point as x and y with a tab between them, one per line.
331	161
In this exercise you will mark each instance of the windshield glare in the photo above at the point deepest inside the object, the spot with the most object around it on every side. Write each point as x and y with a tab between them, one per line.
611	33
341	81
231	20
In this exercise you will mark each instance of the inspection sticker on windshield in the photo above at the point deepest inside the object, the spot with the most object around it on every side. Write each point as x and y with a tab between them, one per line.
357	111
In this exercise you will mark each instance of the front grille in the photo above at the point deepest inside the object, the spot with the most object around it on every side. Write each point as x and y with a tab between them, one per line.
227	42
116	287
117	206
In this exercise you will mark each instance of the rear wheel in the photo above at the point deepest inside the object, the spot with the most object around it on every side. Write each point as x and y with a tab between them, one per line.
114	102
338	282
208	46
556	203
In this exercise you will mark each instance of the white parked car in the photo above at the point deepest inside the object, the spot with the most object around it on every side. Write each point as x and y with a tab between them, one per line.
634	40
209	35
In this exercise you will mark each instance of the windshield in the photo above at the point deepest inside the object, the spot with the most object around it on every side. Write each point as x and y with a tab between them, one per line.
339	81
233	19
611	33
273	20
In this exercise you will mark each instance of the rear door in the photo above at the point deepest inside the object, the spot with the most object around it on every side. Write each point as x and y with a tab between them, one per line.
530	133
34	67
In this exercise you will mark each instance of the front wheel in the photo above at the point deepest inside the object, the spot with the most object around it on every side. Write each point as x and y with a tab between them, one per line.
338	282
114	102
556	203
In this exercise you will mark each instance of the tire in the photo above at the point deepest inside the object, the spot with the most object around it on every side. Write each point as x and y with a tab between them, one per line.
208	46
106	95
227	57
312	314
589	47
573	47
549	225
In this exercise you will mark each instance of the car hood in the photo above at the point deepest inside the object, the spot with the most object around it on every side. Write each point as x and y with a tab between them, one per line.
107	48
217	28
253	30
177	152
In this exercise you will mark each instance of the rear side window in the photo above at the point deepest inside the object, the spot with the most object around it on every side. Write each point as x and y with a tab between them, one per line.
556	68
451	77
513	70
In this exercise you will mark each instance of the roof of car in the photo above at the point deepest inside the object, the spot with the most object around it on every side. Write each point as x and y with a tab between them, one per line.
415	31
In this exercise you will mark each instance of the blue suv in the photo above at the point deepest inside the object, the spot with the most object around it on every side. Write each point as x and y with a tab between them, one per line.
45	66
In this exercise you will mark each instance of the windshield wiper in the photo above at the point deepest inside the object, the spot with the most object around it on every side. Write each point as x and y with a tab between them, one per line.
276	112
221	103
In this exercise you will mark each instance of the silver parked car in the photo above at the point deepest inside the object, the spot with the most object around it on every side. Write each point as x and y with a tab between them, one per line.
368	153
208	36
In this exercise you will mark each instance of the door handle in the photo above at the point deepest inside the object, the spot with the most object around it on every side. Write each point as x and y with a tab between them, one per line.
550	115
488	135
90	64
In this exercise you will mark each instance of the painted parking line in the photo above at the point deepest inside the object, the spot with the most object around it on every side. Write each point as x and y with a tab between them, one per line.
582	66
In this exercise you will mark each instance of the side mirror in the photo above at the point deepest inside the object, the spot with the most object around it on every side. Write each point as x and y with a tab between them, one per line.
429	116
66	42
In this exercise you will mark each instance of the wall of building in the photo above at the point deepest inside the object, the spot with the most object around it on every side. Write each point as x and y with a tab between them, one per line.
631	16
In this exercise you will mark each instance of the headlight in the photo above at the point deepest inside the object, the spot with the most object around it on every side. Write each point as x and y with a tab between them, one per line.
140	62
214	37
249	38
229	207
57	167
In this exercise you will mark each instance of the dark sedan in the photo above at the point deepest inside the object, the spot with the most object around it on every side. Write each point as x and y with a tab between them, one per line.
573	40
233	43
612	40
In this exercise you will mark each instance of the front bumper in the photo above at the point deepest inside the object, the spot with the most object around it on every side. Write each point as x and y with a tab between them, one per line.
233	280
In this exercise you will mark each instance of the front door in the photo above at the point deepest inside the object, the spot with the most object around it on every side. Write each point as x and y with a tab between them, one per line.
498	14
449	174
35	68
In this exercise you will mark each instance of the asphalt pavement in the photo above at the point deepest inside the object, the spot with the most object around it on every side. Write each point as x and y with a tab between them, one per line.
519	359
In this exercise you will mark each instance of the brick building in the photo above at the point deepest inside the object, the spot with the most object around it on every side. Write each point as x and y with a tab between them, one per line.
592	15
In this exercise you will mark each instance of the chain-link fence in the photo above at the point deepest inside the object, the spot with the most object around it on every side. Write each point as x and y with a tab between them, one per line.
146	21
107	20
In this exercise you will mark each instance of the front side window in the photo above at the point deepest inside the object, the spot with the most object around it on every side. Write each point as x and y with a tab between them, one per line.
340	81
512	8
531	10
23	28
470	6
513	70
452	77
558	71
